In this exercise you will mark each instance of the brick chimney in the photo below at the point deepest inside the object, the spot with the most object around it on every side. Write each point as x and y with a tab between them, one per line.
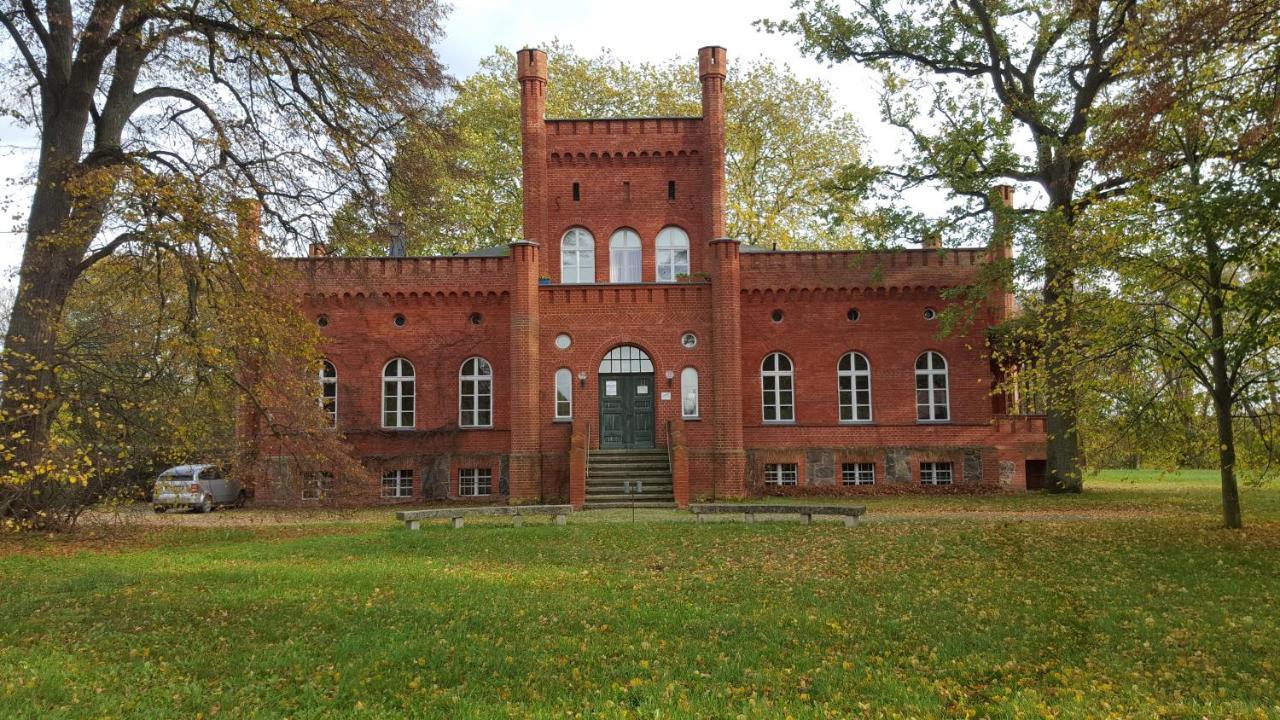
713	67
531	70
248	212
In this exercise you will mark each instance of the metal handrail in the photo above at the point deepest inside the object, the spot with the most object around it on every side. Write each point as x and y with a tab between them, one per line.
670	469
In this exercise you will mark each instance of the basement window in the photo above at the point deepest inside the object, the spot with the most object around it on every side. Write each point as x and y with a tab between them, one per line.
474	482
861	473
780	474
935	473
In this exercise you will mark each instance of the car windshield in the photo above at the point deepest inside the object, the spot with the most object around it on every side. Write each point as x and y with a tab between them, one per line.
176	478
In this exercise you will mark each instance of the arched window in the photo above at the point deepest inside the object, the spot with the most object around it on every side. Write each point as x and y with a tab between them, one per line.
689	392
329	391
932	404
577	257
854	377
626	359
564	394
673	254
475	393
398	394
624	257
778	385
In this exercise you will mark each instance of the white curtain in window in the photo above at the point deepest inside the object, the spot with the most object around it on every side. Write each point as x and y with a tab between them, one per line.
624	257
673	254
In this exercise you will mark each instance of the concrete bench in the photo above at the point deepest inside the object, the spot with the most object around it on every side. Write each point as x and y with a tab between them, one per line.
851	514
413	518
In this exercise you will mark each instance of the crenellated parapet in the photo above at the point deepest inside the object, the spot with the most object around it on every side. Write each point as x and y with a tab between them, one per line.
873	271
408	276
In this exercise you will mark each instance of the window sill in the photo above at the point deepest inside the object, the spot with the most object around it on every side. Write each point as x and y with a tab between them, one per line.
691	418
562	421
475	427
857	422
933	422
778	422
399	429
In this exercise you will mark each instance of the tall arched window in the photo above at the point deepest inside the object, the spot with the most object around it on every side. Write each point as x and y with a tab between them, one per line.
329	391
932	404
564	394
577	257
689	392
398	392
778	386
475	393
854	377
673	254
624	257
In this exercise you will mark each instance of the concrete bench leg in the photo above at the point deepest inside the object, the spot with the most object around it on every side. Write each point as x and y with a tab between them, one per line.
519	520
412	525
806	518
851	520
457	523
699	517
561	519
748	517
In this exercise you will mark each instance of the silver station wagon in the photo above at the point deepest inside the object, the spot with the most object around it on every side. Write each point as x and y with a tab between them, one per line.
198	487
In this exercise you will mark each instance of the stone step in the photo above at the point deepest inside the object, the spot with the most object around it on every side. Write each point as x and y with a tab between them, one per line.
603	462
628	472
646	488
620	496
640	451
640	505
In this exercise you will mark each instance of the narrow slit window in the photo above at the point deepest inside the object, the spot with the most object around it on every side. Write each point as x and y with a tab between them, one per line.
577	192
671	189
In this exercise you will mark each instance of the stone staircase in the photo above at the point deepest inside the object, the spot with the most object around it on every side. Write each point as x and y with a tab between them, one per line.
609	470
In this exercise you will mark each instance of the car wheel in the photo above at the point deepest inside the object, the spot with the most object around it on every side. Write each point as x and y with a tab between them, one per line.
206	506
158	509
241	499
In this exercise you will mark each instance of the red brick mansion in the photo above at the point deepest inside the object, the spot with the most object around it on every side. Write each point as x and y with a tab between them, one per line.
626	348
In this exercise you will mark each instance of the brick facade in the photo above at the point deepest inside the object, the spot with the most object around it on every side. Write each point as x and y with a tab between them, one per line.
645	175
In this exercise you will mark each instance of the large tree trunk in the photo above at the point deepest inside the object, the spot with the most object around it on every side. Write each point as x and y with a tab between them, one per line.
1061	395
1221	390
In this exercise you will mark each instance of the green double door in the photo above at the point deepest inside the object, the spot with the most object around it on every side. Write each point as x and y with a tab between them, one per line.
626	410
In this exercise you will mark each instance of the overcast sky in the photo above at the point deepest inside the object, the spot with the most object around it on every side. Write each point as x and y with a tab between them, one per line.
645	31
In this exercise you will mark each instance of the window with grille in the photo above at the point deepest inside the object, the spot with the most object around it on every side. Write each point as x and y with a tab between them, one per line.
935	473
475	394
777	384
689	392
624	257
858	473
398	394
673	254
564	394
780	474
397	483
317	485
329	391
577	257
473	482
854	378
932	404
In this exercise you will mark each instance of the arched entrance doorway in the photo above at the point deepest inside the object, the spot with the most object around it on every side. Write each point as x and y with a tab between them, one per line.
626	399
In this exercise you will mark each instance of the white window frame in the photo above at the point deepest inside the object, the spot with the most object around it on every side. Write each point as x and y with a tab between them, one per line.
317	485
470	482
625	244
579	245
671	242
690	402
781	474
397	484
404	397
859	381
858	473
480	371
933	381
771	382
564	394
937	473
329	391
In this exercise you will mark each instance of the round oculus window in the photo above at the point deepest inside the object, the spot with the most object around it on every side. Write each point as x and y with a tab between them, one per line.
776	316
323	321
563	341
930	313
398	320
689	340
476	318
853	315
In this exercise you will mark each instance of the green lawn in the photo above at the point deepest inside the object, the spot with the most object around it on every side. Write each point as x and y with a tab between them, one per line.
1131	604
